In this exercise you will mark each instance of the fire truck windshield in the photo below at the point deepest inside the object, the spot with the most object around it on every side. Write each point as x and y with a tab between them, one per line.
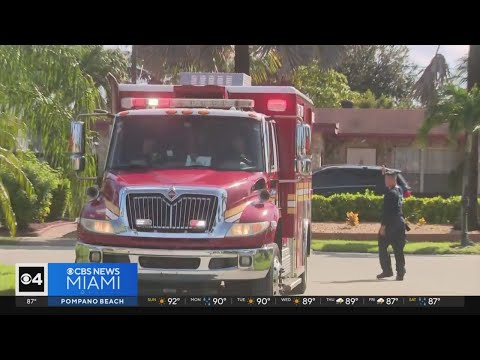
173	141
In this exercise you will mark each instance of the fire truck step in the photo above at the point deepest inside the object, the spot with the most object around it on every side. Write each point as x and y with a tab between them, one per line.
290	284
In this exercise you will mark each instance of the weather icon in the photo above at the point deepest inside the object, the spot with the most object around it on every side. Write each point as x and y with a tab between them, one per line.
380	301
296	301
250	301
339	301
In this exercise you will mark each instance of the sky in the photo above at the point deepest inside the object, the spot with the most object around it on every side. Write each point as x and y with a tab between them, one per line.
422	54
419	54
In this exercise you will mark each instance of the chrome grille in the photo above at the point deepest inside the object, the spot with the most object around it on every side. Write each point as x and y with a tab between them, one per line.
171	216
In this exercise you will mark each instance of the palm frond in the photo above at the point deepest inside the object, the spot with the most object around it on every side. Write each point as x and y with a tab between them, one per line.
9	163
7	211
45	87
434	76
455	106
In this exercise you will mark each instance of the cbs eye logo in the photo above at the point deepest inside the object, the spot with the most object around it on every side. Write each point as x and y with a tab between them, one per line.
31	280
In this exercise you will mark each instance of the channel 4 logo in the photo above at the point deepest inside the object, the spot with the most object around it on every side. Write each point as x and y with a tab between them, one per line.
31	279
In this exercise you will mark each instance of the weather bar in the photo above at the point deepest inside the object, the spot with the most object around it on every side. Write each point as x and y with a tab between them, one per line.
248	301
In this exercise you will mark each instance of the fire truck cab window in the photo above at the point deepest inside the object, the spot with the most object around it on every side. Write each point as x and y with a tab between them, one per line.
221	143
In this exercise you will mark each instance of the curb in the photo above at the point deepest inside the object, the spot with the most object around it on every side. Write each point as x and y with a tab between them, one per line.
410	237
52	226
29	241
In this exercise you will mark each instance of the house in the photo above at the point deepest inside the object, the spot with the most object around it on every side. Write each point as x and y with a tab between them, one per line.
389	137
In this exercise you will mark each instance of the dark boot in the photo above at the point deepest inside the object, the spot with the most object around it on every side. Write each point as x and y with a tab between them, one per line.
384	275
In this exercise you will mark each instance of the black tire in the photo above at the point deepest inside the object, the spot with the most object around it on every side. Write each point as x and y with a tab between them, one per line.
268	286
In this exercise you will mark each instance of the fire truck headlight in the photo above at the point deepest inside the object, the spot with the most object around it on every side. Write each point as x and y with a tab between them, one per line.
247	229
98	226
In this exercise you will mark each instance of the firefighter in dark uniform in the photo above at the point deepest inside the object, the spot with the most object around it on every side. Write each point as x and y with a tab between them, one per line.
393	231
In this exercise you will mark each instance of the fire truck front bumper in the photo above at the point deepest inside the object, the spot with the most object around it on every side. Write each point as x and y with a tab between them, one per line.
184	265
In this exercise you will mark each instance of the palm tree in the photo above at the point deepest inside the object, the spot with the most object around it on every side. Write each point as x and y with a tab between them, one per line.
460	109
425	90
473	79
166	60
9	163
96	61
44	87
434	76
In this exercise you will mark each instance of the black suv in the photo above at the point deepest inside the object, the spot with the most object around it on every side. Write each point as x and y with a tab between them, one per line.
338	179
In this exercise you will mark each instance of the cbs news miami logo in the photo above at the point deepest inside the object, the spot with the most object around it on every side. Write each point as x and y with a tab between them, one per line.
72	279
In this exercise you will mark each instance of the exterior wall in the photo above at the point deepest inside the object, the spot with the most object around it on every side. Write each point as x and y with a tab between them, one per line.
404	154
336	149
318	150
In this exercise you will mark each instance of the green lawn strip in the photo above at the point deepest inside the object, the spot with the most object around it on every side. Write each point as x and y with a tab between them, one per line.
7	279
433	248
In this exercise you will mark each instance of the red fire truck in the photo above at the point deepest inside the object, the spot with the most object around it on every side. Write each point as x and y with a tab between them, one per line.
205	183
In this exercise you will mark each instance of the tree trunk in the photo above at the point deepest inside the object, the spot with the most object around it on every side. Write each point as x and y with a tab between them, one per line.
472	80
242	59
466	205
133	69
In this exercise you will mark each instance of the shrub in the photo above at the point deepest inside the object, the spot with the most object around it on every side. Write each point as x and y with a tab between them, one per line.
45	180
436	210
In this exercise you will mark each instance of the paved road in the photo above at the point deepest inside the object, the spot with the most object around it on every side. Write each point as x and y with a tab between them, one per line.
337	273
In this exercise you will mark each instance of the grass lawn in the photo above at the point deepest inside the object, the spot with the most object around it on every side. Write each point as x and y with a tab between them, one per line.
410	248
7	279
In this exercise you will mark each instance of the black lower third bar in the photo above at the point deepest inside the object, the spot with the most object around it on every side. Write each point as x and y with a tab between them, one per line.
277	301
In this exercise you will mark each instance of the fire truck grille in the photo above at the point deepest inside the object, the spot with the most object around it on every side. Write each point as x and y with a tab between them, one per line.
155	213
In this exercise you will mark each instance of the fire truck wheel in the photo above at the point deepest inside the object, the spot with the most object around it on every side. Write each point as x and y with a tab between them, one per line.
269	286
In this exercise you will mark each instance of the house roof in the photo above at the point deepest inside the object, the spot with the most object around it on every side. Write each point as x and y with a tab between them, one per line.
375	122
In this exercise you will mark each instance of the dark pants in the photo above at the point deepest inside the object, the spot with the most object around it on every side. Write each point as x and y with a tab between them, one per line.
394	236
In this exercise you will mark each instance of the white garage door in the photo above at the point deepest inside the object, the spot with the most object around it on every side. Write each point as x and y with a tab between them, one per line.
361	156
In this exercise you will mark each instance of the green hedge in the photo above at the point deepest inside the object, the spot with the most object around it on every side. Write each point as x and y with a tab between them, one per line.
436	210
51	192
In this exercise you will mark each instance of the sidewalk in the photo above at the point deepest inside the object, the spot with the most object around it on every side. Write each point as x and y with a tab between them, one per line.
60	233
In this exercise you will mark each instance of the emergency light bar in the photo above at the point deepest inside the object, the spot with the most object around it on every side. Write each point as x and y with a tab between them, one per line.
144	103
219	79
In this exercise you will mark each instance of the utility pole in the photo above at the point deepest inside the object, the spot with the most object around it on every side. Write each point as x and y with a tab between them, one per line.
133	60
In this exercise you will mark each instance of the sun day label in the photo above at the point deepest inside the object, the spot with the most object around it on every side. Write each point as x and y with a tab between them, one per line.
105	279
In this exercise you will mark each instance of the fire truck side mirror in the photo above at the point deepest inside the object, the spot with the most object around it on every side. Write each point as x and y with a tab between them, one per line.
77	145
303	141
